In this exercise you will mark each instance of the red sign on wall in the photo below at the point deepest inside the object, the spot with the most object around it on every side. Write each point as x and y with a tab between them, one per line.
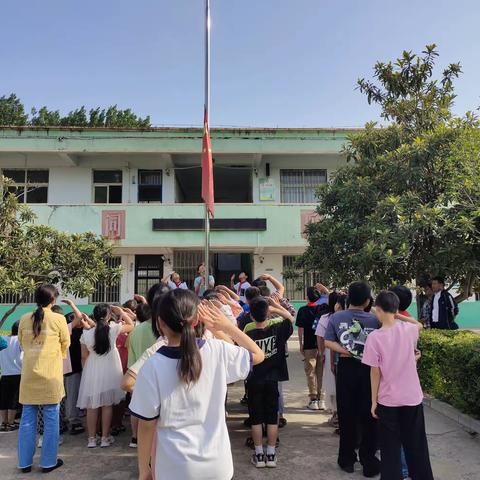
306	217
113	224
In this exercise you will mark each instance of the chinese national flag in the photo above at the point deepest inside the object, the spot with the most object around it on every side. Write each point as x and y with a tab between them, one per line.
207	168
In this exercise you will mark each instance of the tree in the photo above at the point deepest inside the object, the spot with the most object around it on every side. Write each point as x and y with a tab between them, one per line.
12	112
31	254
407	204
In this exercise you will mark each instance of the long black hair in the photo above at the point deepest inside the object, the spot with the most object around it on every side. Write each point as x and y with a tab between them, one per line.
45	295
178	309
101	315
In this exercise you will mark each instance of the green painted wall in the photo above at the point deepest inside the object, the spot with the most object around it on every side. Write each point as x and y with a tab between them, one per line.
283	224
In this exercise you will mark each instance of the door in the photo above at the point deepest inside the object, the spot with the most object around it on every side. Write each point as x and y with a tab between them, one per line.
148	272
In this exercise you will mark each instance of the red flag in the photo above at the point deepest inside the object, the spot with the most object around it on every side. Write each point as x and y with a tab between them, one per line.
207	168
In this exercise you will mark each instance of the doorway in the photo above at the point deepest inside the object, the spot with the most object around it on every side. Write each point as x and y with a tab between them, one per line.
148	272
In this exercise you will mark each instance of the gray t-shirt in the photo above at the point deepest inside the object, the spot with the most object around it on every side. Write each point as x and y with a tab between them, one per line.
198	282
350	329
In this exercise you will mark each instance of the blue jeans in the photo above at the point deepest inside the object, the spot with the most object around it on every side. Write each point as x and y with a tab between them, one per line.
404	463
28	432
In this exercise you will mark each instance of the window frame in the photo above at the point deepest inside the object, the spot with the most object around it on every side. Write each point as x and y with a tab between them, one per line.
26	186
302	185
141	170
106	184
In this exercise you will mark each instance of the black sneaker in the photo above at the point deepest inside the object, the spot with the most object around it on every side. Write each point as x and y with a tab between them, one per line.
258	459
370	471
347	468
51	469
271	460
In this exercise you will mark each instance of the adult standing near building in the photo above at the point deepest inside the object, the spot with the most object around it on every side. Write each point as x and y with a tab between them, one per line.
444	309
44	338
200	283
241	286
174	281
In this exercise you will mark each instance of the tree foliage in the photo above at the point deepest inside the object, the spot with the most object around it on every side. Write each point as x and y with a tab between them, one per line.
31	254
12	112
407	204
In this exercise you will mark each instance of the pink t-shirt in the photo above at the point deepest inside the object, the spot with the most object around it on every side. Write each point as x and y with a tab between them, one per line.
393	351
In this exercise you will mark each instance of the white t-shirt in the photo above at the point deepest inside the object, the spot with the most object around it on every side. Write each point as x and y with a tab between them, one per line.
11	357
192	437
436	298
173	285
240	289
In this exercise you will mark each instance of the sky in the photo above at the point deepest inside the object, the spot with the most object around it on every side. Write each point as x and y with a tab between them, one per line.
275	63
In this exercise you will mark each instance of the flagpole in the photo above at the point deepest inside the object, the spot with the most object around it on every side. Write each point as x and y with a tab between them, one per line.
207	113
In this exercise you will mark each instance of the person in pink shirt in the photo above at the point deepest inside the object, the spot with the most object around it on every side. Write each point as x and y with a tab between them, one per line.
396	392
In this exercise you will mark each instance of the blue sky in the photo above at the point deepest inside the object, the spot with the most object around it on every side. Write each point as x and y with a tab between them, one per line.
290	63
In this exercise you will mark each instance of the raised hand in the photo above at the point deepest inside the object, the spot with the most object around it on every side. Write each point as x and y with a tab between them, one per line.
140	298
212	317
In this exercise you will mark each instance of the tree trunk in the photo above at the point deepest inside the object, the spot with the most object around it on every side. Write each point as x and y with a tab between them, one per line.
11	310
466	288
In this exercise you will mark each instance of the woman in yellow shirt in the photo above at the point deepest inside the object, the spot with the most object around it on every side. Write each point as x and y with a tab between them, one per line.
44	338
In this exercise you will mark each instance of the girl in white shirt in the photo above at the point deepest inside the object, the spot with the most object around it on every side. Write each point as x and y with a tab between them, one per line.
184	385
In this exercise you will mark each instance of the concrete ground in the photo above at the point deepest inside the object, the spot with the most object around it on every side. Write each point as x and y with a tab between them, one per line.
308	446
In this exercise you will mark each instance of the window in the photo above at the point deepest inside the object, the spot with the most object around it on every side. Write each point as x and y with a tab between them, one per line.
148	272
30	186
149	186
108	293
296	280
107	186
300	186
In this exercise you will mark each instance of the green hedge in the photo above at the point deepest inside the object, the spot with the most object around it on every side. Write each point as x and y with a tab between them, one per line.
450	368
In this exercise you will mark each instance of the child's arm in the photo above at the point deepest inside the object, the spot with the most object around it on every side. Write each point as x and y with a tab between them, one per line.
146	431
278	285
226	291
85	354
277	309
128	324
405	318
336	347
375	382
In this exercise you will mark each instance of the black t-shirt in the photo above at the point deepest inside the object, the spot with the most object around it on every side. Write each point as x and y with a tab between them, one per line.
76	350
272	340
305	319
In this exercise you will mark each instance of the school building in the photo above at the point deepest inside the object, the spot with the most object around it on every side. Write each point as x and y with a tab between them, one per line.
141	188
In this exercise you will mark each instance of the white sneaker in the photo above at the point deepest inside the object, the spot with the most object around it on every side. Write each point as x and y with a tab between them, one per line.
313	405
107	441
40	441
321	405
92	442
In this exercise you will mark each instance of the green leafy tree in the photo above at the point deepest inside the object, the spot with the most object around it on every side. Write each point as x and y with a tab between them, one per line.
31	254
407	204
12	111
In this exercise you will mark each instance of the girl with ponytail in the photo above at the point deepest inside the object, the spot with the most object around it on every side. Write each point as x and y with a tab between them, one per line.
44	338
102	370
184	386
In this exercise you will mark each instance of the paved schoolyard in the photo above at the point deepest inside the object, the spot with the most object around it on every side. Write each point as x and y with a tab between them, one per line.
307	446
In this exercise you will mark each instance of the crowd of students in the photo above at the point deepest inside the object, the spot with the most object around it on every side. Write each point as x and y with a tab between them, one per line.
175	351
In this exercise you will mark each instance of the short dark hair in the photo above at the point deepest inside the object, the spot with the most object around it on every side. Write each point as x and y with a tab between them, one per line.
388	301
259	309
258	282
131	304
15	328
439	279
210	294
143	312
251	293
359	293
264	291
404	295
312	294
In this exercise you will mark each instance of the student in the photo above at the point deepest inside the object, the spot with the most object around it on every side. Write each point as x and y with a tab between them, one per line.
312	358
184	385
42	378
336	303
271	336
346	334
200	284
396	392
174	281
241	286
102	371
11	368
443	308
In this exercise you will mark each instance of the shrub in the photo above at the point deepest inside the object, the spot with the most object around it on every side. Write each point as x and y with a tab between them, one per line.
450	368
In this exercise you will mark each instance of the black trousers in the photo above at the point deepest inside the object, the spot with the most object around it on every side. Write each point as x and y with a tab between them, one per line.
403	426
353	406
